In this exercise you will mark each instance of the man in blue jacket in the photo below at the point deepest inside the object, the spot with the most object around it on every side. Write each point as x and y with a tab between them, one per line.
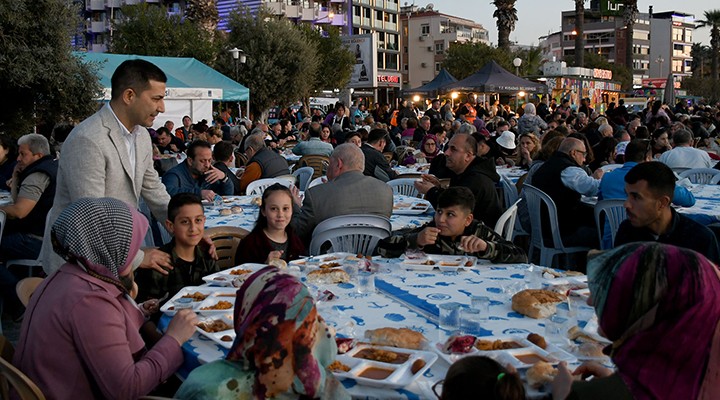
197	175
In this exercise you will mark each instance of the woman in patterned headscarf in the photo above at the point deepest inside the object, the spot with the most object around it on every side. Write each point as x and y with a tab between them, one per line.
281	350
660	306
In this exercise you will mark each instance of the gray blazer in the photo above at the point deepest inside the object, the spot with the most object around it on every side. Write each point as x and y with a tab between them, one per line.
349	193
94	163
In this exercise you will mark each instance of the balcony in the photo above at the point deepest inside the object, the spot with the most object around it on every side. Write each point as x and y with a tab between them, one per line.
95	5
293	11
97	26
275	8
309	14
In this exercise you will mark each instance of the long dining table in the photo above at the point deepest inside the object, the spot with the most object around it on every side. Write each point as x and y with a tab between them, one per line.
243	212
410	299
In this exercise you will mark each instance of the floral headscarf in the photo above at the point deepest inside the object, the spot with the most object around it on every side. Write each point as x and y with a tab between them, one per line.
660	305
280	336
102	235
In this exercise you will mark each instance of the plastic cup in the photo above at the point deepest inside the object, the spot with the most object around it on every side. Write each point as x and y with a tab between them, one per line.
449	316
183	303
366	282
481	303
470	321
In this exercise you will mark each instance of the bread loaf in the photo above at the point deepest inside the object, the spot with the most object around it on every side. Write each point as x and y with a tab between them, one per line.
278	262
402	337
536	303
328	276
540	374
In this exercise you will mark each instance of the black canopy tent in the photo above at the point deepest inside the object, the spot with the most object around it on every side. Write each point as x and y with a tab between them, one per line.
492	78
442	79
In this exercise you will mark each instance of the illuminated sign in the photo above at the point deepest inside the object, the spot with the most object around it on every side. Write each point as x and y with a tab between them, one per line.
602	74
612	7
388	78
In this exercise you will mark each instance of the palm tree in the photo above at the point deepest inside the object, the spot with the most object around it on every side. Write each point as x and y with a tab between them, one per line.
506	15
699	54
629	16
579	27
204	13
712	19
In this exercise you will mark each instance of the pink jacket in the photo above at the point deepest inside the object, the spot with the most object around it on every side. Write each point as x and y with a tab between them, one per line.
80	339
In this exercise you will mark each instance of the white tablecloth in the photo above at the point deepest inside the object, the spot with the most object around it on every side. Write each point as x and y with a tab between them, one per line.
409	299
246	219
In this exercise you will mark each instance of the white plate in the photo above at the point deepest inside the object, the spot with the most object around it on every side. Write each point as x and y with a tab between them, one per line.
414	207
217	336
402	374
169	306
315	261
443	262
225	278
552	352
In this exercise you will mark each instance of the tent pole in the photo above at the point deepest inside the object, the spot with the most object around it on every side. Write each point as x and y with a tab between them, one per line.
247	115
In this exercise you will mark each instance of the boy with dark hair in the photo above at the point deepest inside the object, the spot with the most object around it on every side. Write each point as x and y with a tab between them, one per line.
455	231
223	153
650	187
186	222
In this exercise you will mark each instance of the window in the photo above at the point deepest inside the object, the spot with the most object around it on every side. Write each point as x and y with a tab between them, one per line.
425	29
367	13
391	61
380	60
405	67
688	35
378	15
356	11
439	48
438	66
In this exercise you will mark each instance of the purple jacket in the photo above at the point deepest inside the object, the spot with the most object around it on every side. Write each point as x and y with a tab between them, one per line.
80	339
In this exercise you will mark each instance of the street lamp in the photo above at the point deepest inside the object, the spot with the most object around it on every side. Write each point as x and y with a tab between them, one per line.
453	96
517	62
660	61
240	58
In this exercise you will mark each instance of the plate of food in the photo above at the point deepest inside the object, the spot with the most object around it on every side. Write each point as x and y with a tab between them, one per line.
459	346
413	207
194	296
219	329
427	262
234	276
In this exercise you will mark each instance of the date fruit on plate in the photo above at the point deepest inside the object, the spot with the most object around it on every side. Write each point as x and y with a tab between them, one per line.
459	344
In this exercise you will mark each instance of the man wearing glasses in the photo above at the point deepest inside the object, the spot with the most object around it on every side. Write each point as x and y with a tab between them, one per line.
563	178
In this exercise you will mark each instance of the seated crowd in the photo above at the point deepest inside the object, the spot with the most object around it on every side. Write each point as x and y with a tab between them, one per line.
91	328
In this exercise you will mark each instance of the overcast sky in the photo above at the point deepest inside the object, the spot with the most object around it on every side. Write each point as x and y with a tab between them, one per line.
538	18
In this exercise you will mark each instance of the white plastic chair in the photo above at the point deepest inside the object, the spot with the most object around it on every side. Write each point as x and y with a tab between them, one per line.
317	181
404	186
510	197
351	239
256	188
615	212
26	262
610	167
350	233
700	175
505	225
536	198
715	180
304	176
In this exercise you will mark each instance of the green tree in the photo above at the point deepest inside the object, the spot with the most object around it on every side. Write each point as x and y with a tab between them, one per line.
335	61
41	82
506	15
464	59
712	20
620	72
579	33
203	13
700	55
532	60
148	30
281	63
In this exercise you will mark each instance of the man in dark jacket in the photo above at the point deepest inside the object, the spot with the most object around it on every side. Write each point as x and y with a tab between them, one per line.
460	158
375	163
263	163
224	160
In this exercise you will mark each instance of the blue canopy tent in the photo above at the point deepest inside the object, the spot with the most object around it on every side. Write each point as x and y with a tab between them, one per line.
433	87
187	79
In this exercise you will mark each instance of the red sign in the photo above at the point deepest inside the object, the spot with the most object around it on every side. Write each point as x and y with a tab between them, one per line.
657	83
388	78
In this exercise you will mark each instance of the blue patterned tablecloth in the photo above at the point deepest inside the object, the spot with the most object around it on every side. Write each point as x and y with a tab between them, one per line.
513	173
247	217
706	192
419	168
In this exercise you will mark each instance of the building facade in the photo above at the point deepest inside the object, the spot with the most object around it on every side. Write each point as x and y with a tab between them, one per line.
671	40
426	36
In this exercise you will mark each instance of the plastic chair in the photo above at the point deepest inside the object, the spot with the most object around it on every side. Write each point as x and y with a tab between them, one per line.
25	288
351	239
404	186
343	226
318	163
12	377
304	176
615	212
510	192
257	187
317	181
226	240
715	180
536	198
505	225
610	167
27	262
700	175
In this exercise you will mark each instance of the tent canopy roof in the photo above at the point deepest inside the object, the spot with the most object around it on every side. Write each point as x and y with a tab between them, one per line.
442	79
181	73
492	78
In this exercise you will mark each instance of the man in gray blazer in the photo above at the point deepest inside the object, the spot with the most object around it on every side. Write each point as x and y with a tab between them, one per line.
347	192
110	155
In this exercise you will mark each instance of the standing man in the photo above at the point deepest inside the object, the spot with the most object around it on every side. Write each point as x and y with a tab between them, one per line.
434	113
110	155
